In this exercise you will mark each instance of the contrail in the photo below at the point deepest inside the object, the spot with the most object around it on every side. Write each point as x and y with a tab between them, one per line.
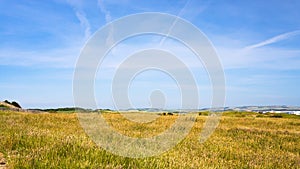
173	24
274	39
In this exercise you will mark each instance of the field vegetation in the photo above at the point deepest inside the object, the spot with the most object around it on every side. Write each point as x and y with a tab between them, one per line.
242	140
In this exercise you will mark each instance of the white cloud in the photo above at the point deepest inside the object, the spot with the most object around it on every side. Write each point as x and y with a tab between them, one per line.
107	15
104	10
274	39
84	23
54	58
259	58
234	55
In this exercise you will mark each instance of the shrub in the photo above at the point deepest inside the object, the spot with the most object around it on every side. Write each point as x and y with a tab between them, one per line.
5	101
203	113
277	116
15	104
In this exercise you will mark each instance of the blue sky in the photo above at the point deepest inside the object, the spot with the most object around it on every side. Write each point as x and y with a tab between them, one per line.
258	43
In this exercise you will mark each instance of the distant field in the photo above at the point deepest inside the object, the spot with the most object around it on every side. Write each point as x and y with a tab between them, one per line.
242	140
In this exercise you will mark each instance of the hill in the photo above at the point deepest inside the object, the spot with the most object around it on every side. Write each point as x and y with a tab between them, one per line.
9	105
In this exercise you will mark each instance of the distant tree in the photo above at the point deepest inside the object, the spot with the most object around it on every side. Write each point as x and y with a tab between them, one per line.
5	101
15	104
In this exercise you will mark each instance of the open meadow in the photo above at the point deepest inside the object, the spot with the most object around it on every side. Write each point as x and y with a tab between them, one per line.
242	140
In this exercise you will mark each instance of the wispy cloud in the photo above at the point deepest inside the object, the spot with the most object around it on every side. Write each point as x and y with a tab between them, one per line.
261	58
274	39
104	10
53	58
84	23
107	15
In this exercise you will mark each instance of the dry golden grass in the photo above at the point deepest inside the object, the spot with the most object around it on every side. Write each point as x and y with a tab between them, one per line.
58	141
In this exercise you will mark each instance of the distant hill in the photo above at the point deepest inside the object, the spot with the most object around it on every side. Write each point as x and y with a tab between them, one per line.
9	105
63	109
264	108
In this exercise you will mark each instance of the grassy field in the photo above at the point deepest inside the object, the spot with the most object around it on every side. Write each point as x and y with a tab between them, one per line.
242	140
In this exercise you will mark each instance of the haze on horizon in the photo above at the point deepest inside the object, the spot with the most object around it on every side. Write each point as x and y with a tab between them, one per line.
257	42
